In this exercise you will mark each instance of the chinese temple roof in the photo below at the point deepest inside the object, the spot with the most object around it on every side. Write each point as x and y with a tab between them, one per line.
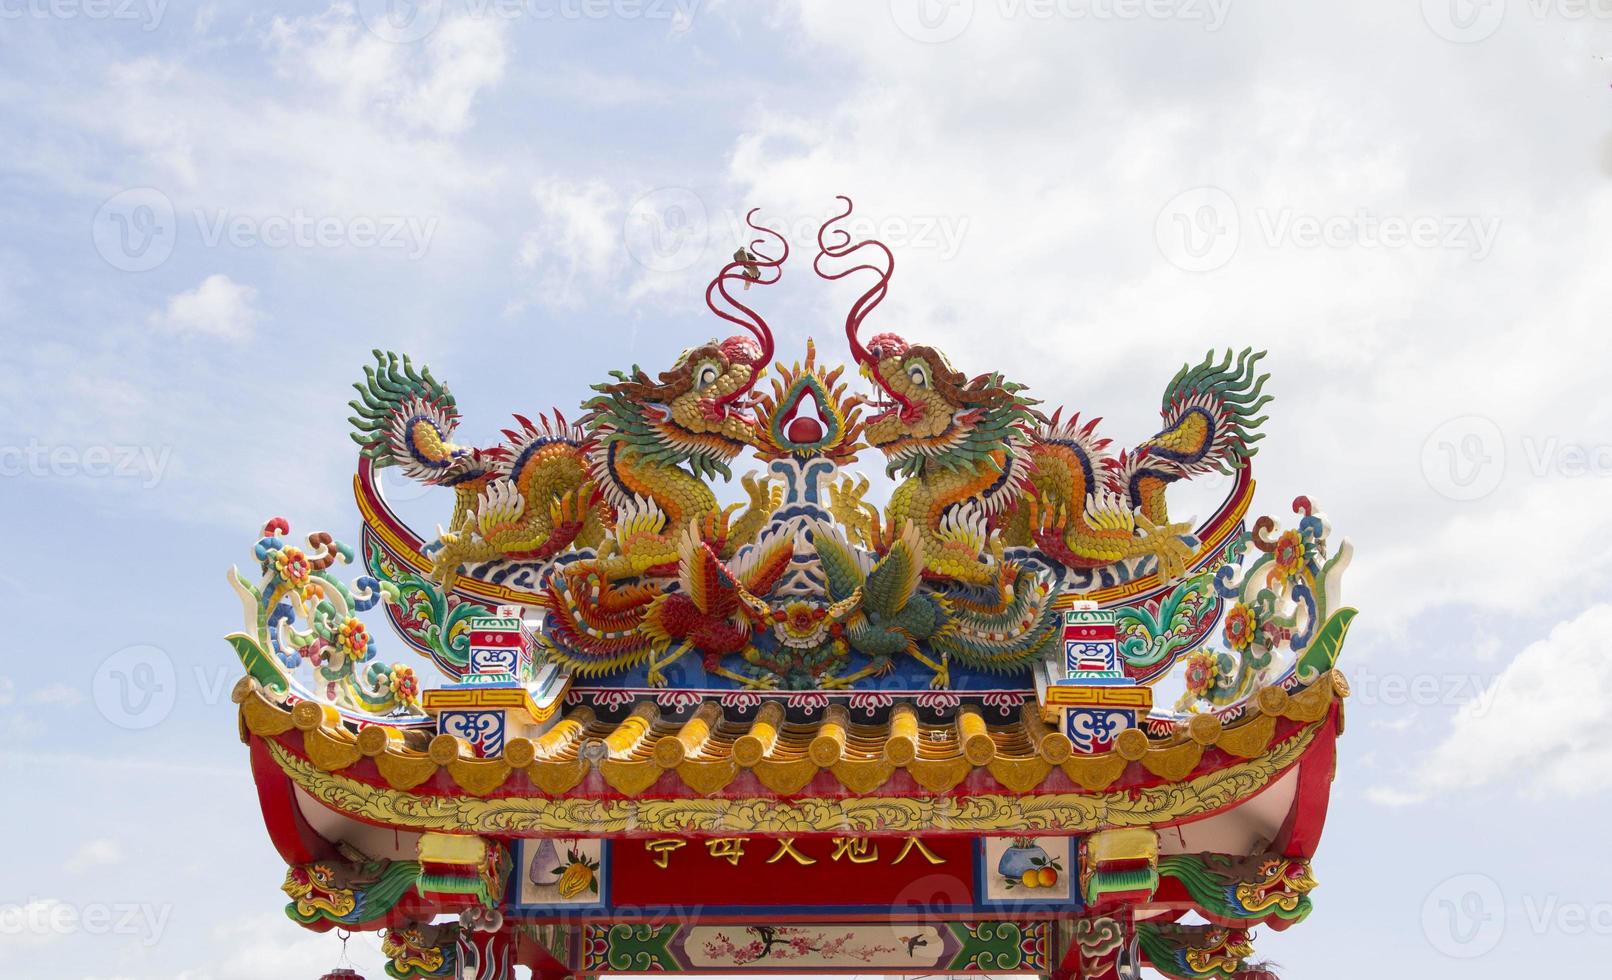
614	654
535	783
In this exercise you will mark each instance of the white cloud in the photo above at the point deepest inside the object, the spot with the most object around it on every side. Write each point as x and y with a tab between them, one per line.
430	86
346	127
1403	723
464	56
219	307
612	244
575	249
8	691
1544	726
94	854
1390	797
344	134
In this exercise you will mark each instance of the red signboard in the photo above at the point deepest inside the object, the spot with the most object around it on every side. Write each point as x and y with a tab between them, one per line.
796	871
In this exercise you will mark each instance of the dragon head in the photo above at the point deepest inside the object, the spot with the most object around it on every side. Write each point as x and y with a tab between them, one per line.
936	416
417	950
1278	881
699	411
940	417
696	412
319	887
1221	950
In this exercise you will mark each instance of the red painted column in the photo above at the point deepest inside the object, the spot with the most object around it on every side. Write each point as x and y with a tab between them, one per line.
532	954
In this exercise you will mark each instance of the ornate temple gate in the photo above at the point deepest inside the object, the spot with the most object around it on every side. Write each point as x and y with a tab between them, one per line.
816	736
628	884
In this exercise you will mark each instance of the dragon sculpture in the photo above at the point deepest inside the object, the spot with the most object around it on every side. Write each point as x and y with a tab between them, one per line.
982	469
1245	891
635	561
627	479
418	950
1188	952
347	892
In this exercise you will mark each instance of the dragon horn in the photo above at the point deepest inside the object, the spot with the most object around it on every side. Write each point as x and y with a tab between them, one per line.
843	247
752	321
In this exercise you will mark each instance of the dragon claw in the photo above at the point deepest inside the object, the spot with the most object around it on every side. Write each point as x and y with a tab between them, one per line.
759	489
879	667
1164	542
860	519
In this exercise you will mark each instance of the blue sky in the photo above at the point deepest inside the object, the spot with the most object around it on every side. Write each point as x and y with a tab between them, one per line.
212	212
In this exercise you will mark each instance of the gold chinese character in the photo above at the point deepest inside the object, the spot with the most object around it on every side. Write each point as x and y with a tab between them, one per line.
731	848
928	855
787	846
859	850
663	850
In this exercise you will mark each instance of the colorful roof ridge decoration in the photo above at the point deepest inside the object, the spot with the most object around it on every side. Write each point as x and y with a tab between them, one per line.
629	672
646	756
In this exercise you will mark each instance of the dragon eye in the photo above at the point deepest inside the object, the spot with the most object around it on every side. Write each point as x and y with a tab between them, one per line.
918	373
706	374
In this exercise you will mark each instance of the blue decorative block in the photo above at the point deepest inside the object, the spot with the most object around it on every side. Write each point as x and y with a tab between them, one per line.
1094	729
483	729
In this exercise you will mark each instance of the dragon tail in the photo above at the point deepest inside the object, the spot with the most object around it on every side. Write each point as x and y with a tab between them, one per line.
1210	424
404	417
1209	420
383	688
